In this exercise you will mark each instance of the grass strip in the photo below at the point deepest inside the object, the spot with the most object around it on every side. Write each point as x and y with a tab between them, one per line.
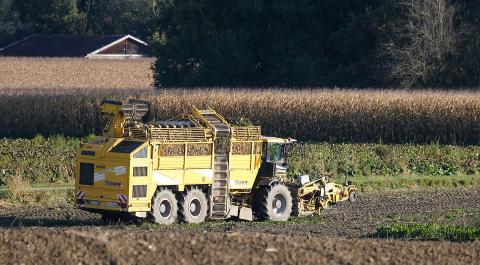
456	233
369	183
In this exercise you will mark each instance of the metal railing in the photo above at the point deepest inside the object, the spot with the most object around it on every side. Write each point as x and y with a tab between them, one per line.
191	134
195	134
246	133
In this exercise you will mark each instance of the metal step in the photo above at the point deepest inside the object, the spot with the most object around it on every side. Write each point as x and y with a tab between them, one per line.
216	122
220	195
221	165
218	200
219	159
220	174
221	181
219	207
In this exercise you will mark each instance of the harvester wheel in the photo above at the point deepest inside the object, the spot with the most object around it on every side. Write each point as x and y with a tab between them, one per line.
164	207
273	203
352	197
295	202
193	206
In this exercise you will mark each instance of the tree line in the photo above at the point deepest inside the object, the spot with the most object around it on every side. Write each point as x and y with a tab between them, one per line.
271	43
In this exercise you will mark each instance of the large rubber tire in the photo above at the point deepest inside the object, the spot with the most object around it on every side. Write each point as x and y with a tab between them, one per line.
164	207
352	197
273	203
295	201
192	206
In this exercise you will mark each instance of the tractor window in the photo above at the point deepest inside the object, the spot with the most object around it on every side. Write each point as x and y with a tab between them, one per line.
275	152
142	153
126	147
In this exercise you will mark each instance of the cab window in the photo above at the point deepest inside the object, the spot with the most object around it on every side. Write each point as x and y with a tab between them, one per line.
142	153
275	152
126	147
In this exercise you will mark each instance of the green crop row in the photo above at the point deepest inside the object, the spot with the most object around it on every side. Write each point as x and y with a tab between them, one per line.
38	160
429	232
351	160
52	160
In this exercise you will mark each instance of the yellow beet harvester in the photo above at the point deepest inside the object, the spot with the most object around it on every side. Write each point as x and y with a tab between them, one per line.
189	169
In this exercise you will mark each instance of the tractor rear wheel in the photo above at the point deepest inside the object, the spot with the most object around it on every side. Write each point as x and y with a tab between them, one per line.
193	206
164	207
273	203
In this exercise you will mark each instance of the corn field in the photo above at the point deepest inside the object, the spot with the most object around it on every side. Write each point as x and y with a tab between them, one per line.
360	116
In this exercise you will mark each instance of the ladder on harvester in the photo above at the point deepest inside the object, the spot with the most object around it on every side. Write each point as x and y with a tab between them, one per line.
220	194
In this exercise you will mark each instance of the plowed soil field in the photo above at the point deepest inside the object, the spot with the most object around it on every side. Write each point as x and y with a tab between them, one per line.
31	234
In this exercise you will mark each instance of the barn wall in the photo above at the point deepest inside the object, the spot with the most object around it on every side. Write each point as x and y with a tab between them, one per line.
115	49
126	47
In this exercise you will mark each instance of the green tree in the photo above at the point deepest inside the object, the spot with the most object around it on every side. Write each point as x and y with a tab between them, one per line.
263	43
9	22
467	62
422	43
50	16
136	17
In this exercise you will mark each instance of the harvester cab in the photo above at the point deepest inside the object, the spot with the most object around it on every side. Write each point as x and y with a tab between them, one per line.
274	158
188	169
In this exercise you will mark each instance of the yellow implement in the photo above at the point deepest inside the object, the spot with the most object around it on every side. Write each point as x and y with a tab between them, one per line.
319	194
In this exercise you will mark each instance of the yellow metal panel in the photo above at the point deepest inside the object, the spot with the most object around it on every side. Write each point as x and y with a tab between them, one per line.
139	207
257	161
110	206
101	194
171	162
198	177
168	177
242	179
139	204
200	162
142	180
114	155
240	162
109	174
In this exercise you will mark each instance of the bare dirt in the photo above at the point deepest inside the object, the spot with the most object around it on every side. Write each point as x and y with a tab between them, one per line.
32	234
